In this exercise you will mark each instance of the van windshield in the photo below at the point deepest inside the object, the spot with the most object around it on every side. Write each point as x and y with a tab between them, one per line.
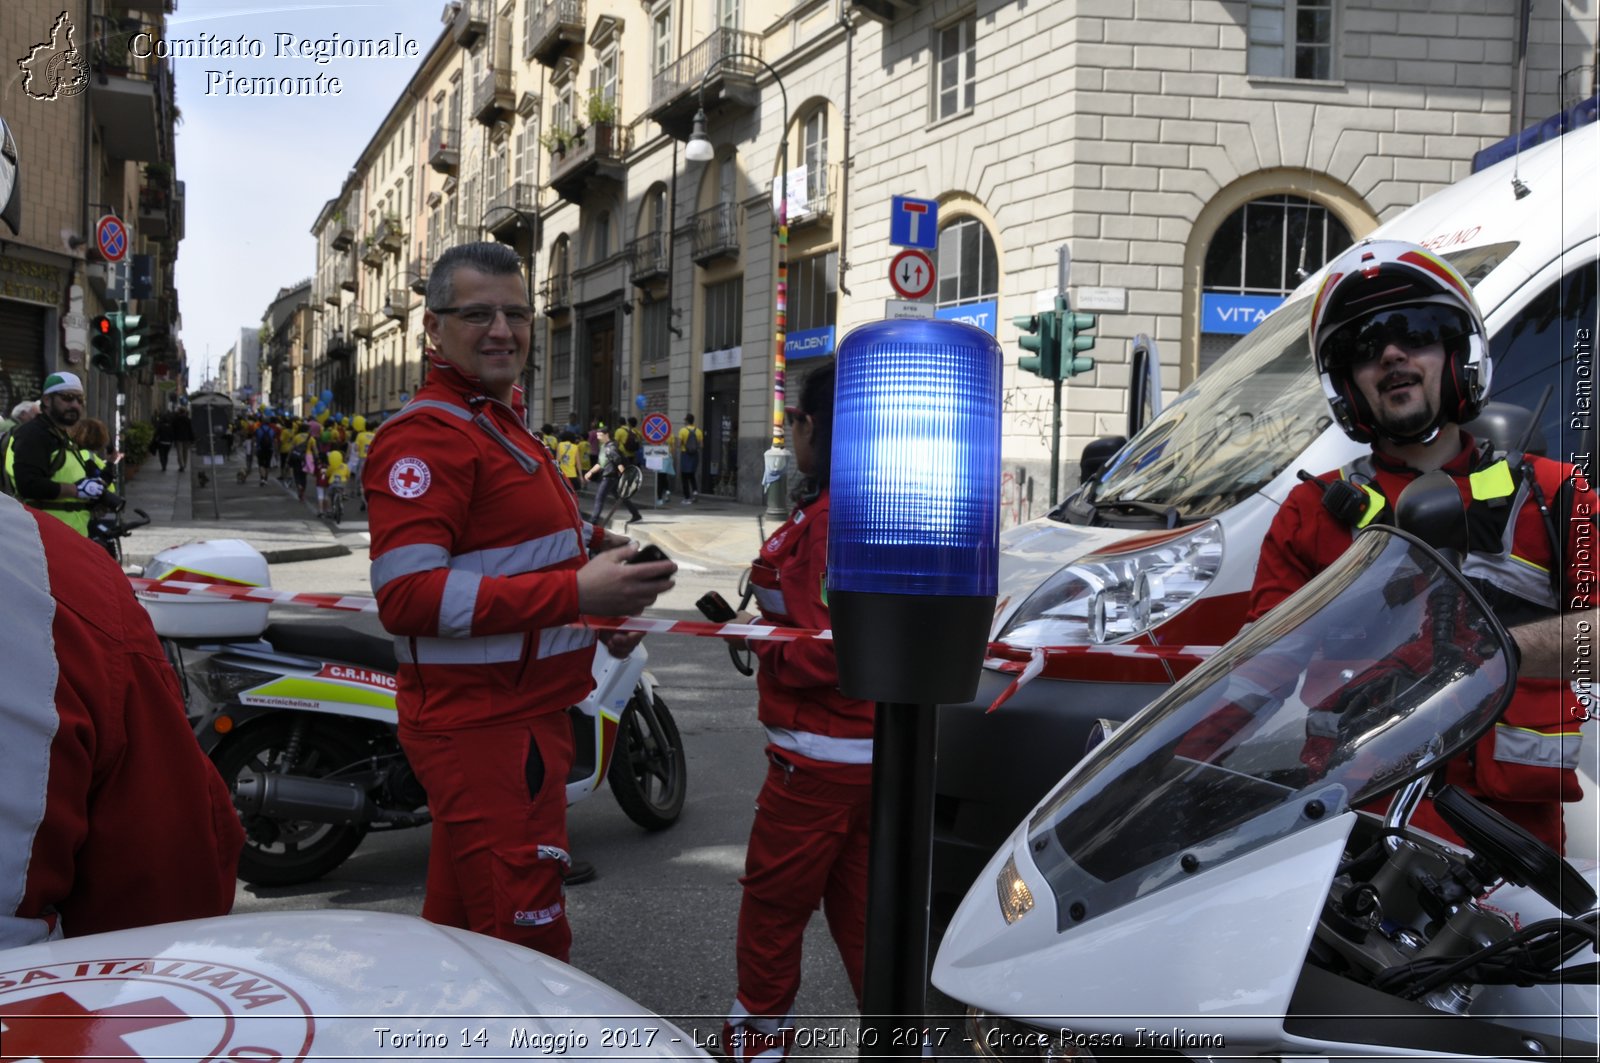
1232	431
1240	423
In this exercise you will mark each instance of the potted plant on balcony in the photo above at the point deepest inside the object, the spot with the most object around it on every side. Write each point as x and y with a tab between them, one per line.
556	142
111	53
158	175
600	109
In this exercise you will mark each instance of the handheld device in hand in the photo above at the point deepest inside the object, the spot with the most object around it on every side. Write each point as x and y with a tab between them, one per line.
646	555
715	608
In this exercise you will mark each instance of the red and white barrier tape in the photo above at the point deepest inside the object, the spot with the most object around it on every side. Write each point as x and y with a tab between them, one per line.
1024	665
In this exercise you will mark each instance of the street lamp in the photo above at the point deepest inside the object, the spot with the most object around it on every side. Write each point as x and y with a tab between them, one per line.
699	149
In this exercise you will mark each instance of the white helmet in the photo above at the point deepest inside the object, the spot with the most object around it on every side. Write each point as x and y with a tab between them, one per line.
1380	289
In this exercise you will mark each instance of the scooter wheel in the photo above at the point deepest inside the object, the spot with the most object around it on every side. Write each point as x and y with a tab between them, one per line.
279	852
649	774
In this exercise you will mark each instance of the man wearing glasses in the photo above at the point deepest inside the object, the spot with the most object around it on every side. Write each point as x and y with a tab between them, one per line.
480	564
1401	349
44	468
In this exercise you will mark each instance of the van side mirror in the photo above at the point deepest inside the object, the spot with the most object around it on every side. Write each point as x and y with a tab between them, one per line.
1505	425
1097	454
1431	509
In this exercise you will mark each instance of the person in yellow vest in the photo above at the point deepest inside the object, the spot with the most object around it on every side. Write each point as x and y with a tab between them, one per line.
686	452
360	443
567	458
285	444
44	467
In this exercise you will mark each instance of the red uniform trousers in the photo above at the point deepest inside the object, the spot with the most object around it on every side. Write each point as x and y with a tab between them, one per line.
808	848
499	801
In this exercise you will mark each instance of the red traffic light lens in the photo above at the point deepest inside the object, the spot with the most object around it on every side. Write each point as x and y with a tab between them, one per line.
102	325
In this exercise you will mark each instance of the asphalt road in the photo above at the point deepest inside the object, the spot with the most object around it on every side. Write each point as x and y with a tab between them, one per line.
658	922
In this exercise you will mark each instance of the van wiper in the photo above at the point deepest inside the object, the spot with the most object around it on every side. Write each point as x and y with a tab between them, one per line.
1170	515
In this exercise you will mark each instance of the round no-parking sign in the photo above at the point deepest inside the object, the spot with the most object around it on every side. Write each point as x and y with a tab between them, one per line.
656	428
111	237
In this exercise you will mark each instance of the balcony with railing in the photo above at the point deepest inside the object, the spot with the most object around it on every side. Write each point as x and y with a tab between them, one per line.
557	292
344	234
509	208
390	234
362	324
675	91
471	21
339	347
492	96
444	150
372	253
131	94
155	212
417	268
345	272
397	305
817	204
594	155
546	38
717	233
647	258
456	235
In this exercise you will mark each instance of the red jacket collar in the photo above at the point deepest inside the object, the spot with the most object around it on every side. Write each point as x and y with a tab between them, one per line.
1460	465
468	388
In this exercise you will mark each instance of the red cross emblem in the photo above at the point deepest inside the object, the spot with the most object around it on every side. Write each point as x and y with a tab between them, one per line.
409	477
57	1027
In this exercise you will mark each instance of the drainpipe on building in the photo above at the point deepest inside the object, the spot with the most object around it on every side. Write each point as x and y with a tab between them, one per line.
844	161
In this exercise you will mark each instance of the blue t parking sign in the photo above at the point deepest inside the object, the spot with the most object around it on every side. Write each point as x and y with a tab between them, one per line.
914	223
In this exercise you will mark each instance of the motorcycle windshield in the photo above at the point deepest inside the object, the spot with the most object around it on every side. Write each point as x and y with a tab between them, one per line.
1372	674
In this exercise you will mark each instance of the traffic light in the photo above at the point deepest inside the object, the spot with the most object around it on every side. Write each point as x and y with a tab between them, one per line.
133	337
1056	336
1040	337
1074	338
105	336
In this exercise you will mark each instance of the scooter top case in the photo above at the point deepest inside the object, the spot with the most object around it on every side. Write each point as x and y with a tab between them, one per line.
315	985
196	616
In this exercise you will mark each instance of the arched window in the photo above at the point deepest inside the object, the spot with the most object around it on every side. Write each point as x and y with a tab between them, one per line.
814	156
969	268
1258	255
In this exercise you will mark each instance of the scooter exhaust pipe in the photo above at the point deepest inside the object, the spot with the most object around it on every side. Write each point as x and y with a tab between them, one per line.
296	797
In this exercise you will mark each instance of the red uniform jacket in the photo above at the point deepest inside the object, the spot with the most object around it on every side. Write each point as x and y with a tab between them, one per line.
1524	767
110	816
798	682
476	546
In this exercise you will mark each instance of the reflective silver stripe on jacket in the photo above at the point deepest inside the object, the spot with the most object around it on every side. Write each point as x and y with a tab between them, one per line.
530	555
488	649
28	718
1519	745
770	601
1513	575
457	603
404	560
425	404
554	641
822	747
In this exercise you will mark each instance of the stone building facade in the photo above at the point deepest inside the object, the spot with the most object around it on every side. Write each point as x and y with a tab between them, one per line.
92	123
1198	157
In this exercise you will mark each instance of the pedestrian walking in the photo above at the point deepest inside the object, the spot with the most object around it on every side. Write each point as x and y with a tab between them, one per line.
480	562
182	435
163	437
686	448
610	468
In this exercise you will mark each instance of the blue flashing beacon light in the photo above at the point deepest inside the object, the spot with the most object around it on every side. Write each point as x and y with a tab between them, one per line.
914	516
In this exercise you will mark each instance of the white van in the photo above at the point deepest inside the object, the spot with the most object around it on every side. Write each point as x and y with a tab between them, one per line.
1160	547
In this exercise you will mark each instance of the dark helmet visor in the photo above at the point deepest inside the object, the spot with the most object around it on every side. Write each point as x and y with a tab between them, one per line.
1410	328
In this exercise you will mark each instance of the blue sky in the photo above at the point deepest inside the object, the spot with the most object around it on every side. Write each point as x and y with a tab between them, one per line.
258	169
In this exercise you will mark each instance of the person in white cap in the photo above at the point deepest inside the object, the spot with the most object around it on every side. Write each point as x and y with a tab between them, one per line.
44	468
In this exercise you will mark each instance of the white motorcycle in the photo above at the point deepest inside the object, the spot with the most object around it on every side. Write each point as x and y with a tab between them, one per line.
1212	880
300	719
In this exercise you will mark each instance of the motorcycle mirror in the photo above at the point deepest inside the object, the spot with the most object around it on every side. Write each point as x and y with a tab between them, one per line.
1431	509
1513	853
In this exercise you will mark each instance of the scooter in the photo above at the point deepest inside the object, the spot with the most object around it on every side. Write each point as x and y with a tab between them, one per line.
1234	871
300	720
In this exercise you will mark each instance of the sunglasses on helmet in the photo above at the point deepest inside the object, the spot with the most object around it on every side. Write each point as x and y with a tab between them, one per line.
1410	328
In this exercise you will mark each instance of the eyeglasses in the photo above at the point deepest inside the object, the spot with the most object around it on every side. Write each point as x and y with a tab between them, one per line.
793	415
481	316
1410	328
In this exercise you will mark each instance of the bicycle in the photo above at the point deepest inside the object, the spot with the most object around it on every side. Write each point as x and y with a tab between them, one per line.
335	502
